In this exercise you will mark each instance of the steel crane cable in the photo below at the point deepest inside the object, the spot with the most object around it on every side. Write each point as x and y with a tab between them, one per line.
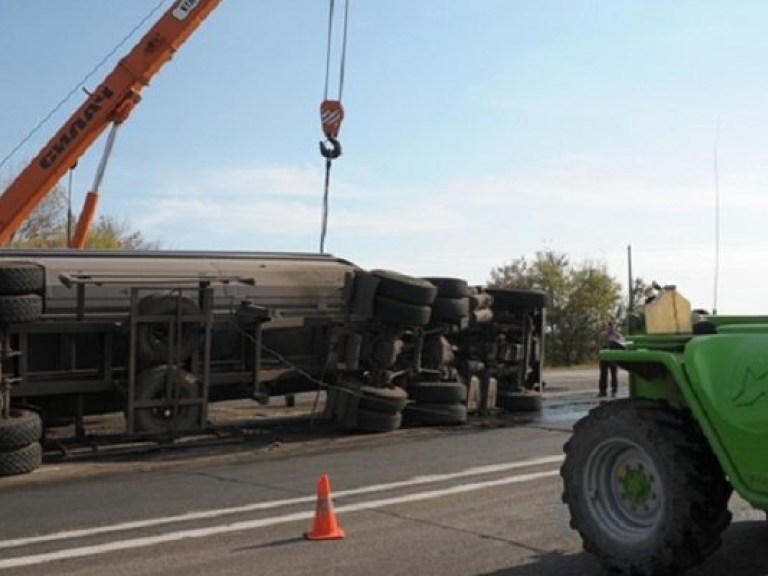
332	112
343	61
82	83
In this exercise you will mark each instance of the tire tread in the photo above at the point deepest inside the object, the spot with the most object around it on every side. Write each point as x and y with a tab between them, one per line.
697	485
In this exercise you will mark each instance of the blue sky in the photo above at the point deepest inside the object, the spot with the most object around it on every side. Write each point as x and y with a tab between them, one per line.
476	132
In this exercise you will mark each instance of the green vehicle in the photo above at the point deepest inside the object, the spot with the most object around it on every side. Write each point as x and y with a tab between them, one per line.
647	479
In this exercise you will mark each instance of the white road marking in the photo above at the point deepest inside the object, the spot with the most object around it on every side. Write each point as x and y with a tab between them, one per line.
206	514
142	542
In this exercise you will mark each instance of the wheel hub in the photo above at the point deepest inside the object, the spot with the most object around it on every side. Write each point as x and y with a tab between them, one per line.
636	484
624	488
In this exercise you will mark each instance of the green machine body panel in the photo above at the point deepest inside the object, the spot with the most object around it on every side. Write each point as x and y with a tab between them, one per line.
728	390
722	378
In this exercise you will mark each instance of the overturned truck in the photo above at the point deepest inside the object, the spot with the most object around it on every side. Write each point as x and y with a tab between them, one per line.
158	336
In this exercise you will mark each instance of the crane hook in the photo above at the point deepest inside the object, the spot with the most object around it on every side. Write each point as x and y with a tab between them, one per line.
330	149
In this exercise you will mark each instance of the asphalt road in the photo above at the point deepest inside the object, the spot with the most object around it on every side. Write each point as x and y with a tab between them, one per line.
477	499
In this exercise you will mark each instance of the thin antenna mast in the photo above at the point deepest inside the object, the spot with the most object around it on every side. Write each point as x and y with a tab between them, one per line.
631	279
717	220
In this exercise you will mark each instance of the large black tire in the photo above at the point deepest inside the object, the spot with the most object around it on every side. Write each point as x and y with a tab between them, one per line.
504	298
450	287
152	385
370	421
449	309
18	278
644	489
398	312
438	392
384	400
419	414
153	338
17	309
405	288
21	460
519	401
22	428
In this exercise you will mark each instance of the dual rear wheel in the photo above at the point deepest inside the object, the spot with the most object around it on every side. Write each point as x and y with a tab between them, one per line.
21	289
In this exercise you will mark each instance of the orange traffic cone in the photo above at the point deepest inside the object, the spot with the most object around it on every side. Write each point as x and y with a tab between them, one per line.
325	527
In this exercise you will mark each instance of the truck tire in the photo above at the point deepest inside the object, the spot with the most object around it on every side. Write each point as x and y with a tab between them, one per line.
17	309
23	428
419	414
519	401
168	418
644	489
405	288
18	278
384	400
438	392
449	309
370	421
21	460
398	312
450	287
153	338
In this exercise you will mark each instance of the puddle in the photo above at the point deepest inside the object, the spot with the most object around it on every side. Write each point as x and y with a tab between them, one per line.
558	409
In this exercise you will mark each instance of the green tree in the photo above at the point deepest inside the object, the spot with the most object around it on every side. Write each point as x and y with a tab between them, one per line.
582	298
109	232
641	292
46	227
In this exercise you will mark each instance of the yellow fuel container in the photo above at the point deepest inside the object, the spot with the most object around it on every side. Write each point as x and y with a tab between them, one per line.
668	313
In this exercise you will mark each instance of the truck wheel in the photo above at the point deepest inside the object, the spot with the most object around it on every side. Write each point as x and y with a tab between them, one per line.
24	308
370	421
450	287
21	429
397	312
21	460
519	401
644	489
450	309
153	338
438	392
168	417
384	400
434	414
405	288
21	278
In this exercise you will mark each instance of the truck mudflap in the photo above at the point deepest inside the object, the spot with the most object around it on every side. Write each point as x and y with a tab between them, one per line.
729	390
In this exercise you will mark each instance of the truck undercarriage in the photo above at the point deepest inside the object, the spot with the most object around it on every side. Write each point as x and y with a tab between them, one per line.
160	335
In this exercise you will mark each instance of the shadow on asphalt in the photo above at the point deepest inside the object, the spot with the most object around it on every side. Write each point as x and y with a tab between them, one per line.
742	553
555	564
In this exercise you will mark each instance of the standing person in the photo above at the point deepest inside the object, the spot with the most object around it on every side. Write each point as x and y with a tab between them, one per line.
609	338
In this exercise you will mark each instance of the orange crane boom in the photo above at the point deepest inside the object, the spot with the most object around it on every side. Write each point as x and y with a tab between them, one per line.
110	103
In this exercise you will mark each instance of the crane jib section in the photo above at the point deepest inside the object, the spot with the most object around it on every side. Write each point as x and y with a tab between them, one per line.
110	103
